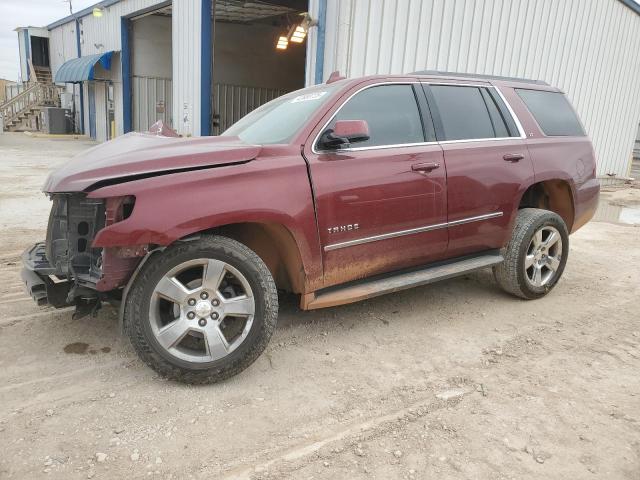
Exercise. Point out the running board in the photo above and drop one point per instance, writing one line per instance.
(394, 283)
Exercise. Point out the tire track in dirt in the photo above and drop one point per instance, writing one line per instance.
(59, 376)
(291, 458)
(11, 321)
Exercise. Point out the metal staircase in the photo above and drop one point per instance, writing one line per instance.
(43, 75)
(22, 112)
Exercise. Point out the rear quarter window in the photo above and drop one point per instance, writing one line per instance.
(553, 112)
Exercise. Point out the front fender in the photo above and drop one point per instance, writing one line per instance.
(170, 207)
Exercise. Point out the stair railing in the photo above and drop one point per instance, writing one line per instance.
(37, 94)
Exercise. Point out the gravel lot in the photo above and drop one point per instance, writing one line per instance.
(454, 380)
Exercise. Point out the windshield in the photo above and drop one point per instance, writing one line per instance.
(280, 119)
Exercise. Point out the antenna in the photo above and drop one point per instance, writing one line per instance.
(70, 5)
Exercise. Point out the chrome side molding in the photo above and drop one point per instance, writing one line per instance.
(412, 231)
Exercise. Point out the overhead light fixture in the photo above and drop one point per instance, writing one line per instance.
(283, 43)
(298, 34)
(97, 12)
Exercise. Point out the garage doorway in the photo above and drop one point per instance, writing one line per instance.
(151, 68)
(248, 69)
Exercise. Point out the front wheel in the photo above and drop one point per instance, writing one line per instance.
(202, 310)
(536, 254)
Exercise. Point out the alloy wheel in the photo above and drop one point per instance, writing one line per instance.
(201, 310)
(543, 257)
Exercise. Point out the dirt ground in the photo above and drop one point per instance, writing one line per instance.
(454, 380)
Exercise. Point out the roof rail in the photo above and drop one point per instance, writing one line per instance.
(437, 73)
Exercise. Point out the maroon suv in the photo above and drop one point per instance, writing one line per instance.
(337, 192)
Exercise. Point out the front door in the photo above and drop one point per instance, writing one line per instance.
(381, 204)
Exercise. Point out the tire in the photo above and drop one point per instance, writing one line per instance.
(179, 324)
(535, 256)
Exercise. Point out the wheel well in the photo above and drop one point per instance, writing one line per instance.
(552, 195)
(277, 248)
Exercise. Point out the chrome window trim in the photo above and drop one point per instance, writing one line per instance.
(458, 84)
(400, 145)
(411, 231)
(515, 118)
(383, 147)
(373, 147)
(512, 113)
(447, 142)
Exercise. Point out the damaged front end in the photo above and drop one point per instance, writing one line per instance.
(66, 269)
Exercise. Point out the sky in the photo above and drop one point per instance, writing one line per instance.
(22, 13)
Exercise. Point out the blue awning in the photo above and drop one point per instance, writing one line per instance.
(81, 69)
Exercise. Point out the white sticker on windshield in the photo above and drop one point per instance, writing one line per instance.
(308, 97)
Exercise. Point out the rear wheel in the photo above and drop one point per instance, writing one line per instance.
(536, 254)
(203, 310)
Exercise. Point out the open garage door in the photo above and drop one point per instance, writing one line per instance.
(151, 69)
(250, 65)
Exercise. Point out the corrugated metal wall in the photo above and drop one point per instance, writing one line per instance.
(98, 34)
(232, 102)
(22, 55)
(62, 45)
(588, 48)
(101, 34)
(100, 90)
(147, 93)
(186, 26)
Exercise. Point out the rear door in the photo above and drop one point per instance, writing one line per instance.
(488, 164)
(378, 207)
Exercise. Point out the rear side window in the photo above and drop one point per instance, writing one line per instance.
(391, 112)
(469, 113)
(552, 111)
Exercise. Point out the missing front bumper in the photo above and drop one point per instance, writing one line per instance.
(40, 280)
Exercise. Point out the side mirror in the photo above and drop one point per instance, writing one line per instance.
(344, 133)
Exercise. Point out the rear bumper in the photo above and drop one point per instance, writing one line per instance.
(39, 279)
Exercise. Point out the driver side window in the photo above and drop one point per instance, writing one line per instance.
(391, 111)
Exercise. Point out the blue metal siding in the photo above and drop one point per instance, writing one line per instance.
(125, 58)
(79, 51)
(205, 69)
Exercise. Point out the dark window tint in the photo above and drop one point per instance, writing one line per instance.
(504, 111)
(552, 112)
(497, 121)
(463, 112)
(391, 112)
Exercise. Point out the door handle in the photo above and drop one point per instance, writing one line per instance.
(425, 167)
(512, 157)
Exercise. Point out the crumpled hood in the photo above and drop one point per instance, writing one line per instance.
(145, 153)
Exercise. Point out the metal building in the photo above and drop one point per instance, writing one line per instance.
(201, 64)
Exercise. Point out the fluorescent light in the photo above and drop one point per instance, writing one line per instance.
(298, 34)
(283, 43)
(97, 12)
